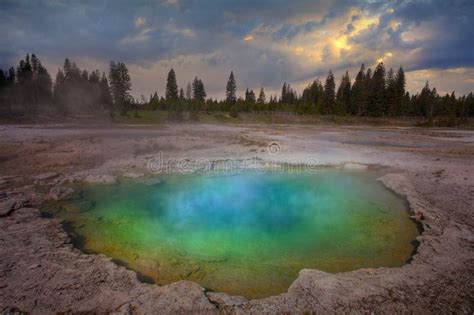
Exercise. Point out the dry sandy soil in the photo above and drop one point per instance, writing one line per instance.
(41, 272)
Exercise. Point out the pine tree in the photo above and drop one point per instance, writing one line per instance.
(3, 79)
(261, 97)
(195, 88)
(284, 91)
(67, 68)
(329, 95)
(58, 91)
(366, 90)
(312, 97)
(425, 103)
(120, 86)
(84, 75)
(34, 63)
(288, 95)
(24, 71)
(343, 96)
(4, 99)
(250, 97)
(7, 97)
(171, 86)
(94, 77)
(391, 93)
(470, 104)
(106, 97)
(44, 84)
(189, 91)
(203, 90)
(400, 92)
(376, 106)
(199, 92)
(34, 85)
(347, 93)
(231, 89)
(11, 76)
(77, 90)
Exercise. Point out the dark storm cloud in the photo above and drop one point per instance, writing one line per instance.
(96, 28)
(449, 39)
(452, 46)
(58, 28)
(146, 32)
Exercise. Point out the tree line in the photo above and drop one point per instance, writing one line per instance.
(29, 89)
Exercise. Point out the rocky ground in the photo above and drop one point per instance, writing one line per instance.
(41, 272)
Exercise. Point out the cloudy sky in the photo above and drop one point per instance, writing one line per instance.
(265, 42)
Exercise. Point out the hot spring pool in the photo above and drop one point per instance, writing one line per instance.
(248, 234)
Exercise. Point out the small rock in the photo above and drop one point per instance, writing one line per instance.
(11, 310)
(100, 179)
(45, 176)
(223, 298)
(355, 166)
(133, 175)
(34, 266)
(128, 308)
(60, 192)
(419, 216)
(7, 207)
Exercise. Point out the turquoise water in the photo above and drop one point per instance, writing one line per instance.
(247, 234)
